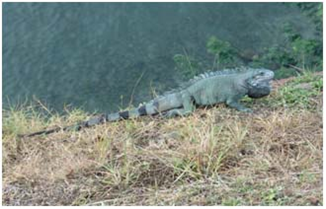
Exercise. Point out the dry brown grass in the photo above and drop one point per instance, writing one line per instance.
(213, 157)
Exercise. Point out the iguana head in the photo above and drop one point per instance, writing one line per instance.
(258, 83)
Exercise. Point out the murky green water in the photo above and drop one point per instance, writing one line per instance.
(103, 55)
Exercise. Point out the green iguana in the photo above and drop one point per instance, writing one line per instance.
(227, 86)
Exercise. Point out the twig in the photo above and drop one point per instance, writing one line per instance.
(299, 70)
(133, 90)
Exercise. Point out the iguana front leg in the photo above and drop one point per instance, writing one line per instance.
(235, 104)
(188, 107)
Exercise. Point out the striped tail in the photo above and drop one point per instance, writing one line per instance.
(155, 106)
(148, 109)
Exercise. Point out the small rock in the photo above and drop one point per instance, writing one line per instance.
(306, 86)
(314, 201)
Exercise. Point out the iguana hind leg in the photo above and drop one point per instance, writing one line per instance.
(188, 107)
(176, 112)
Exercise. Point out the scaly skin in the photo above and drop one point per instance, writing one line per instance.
(227, 86)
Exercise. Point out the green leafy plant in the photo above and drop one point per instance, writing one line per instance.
(187, 65)
(224, 53)
(298, 52)
(314, 11)
(300, 91)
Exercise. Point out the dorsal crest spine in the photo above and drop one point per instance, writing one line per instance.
(213, 74)
(204, 76)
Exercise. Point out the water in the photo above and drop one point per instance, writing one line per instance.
(101, 56)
